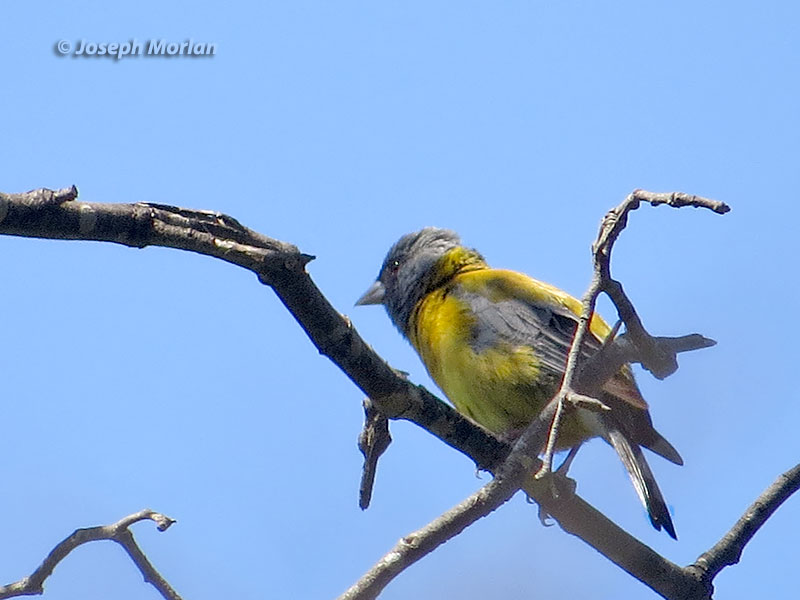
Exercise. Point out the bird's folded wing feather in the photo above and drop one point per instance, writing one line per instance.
(512, 308)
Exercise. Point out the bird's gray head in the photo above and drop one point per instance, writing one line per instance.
(408, 273)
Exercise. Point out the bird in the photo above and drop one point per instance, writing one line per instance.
(496, 341)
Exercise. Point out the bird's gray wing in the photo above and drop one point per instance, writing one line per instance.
(517, 322)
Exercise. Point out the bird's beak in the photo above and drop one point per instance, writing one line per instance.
(374, 295)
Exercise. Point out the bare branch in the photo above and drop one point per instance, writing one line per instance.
(277, 264)
(601, 366)
(654, 355)
(658, 355)
(118, 532)
(417, 545)
(729, 549)
(282, 266)
(373, 441)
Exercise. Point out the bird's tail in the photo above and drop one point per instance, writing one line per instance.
(643, 480)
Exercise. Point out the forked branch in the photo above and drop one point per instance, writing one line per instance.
(118, 532)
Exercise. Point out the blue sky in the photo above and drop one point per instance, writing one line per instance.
(156, 378)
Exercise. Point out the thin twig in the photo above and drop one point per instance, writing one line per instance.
(118, 532)
(422, 542)
(567, 388)
(729, 549)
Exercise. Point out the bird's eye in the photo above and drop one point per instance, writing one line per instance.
(394, 266)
